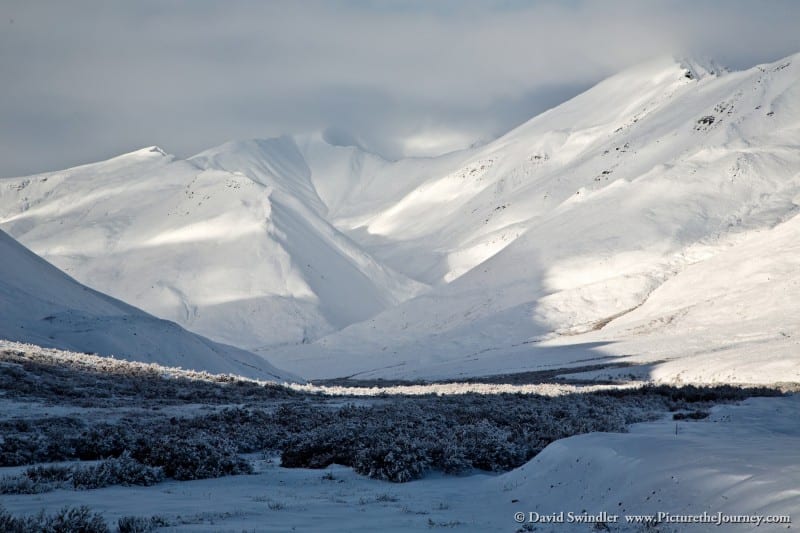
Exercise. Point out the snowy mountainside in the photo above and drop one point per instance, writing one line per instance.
(576, 218)
(549, 246)
(41, 305)
(730, 317)
(228, 244)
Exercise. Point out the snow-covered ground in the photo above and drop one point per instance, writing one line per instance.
(743, 460)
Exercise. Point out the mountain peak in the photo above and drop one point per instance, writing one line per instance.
(699, 68)
(146, 152)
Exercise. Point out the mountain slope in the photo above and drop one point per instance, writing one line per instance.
(228, 244)
(526, 253)
(551, 232)
(41, 305)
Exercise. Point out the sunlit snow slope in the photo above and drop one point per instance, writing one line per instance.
(229, 244)
(651, 215)
(41, 305)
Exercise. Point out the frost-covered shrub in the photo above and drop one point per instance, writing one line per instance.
(250, 429)
(16, 450)
(488, 447)
(7, 521)
(74, 520)
(36, 446)
(392, 458)
(106, 440)
(319, 449)
(123, 470)
(92, 381)
(66, 520)
(38, 441)
(36, 480)
(196, 456)
(398, 441)
(21, 485)
(140, 524)
(449, 433)
(20, 524)
(449, 457)
(49, 473)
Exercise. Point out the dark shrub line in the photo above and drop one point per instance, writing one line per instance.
(396, 439)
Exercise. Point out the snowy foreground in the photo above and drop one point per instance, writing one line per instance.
(743, 459)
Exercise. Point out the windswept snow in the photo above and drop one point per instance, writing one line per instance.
(743, 461)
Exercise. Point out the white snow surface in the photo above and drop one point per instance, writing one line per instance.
(650, 220)
(41, 305)
(743, 460)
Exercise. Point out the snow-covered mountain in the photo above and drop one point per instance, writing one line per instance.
(41, 305)
(642, 217)
(652, 216)
(230, 243)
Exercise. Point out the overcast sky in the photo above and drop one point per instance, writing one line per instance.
(83, 81)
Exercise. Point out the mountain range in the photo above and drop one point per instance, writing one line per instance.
(650, 222)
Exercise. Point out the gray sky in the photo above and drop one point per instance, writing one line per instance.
(83, 81)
